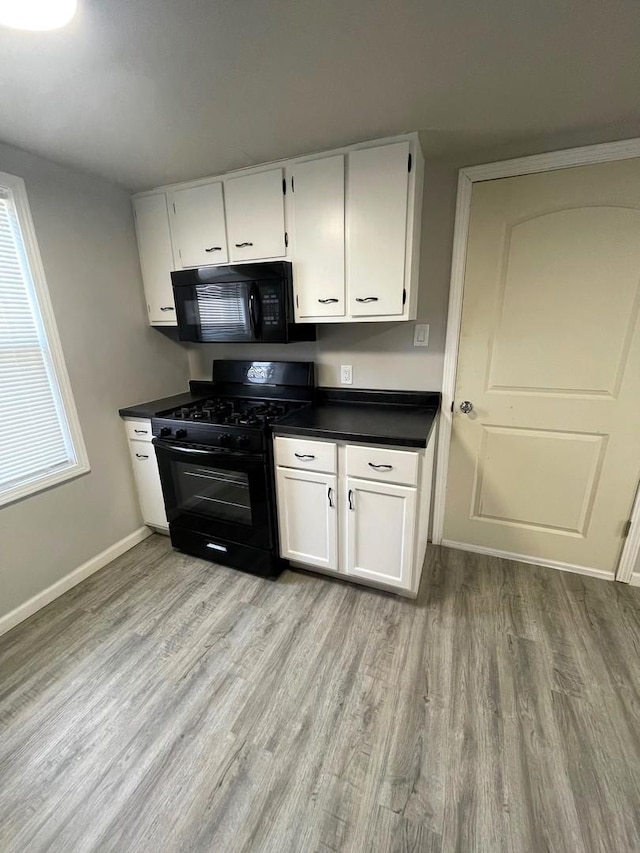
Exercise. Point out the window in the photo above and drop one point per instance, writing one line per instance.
(41, 443)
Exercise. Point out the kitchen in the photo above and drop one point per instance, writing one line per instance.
(424, 570)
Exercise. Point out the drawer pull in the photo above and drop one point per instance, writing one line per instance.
(214, 249)
(142, 455)
(328, 301)
(141, 431)
(243, 245)
(367, 299)
(380, 467)
(304, 455)
(167, 308)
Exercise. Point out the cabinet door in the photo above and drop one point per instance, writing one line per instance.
(307, 517)
(156, 256)
(380, 531)
(317, 207)
(198, 227)
(255, 216)
(145, 469)
(377, 198)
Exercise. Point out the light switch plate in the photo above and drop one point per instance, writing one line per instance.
(421, 335)
(346, 374)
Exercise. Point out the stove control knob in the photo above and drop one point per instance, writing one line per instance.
(165, 431)
(226, 440)
(181, 433)
(242, 441)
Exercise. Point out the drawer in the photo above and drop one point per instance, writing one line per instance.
(306, 454)
(380, 463)
(138, 429)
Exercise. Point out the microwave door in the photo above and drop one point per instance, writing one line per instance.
(215, 312)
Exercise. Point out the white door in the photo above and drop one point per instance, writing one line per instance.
(377, 199)
(255, 216)
(307, 516)
(380, 531)
(147, 476)
(156, 256)
(317, 208)
(547, 463)
(198, 226)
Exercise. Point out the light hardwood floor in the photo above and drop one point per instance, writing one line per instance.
(167, 704)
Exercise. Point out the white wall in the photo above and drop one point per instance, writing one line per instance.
(85, 231)
(382, 354)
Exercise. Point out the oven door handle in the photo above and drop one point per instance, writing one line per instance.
(213, 452)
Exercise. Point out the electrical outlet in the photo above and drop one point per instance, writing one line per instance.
(421, 335)
(346, 374)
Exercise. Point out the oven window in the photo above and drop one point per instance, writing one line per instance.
(214, 493)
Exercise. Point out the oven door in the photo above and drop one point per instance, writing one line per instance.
(216, 492)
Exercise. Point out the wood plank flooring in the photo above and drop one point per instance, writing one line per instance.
(167, 704)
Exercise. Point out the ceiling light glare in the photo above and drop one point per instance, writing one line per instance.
(37, 14)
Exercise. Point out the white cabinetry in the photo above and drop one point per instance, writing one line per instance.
(145, 471)
(370, 528)
(307, 507)
(380, 527)
(198, 226)
(377, 198)
(255, 216)
(156, 256)
(348, 220)
(317, 233)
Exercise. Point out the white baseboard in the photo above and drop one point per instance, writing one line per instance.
(41, 599)
(635, 580)
(534, 561)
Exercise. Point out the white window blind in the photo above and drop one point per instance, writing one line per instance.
(36, 445)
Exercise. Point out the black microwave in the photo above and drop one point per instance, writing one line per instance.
(244, 303)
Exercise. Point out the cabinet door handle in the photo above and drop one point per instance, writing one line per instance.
(243, 245)
(142, 455)
(380, 467)
(350, 498)
(330, 497)
(167, 308)
(367, 299)
(304, 455)
(327, 301)
(214, 249)
(141, 431)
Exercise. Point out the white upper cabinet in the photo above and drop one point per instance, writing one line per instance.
(156, 257)
(316, 206)
(198, 226)
(255, 216)
(377, 210)
(348, 220)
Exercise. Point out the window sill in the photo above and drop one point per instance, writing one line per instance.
(42, 484)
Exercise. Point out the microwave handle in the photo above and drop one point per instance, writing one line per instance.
(255, 311)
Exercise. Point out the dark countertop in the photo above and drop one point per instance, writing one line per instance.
(154, 407)
(398, 418)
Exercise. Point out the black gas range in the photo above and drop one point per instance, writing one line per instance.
(216, 463)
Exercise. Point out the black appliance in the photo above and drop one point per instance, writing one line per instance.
(244, 303)
(216, 462)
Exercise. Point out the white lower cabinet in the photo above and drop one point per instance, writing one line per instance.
(145, 471)
(370, 528)
(307, 514)
(380, 528)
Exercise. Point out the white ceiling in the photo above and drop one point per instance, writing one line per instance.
(146, 92)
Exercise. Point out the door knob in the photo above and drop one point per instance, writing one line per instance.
(466, 407)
